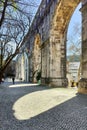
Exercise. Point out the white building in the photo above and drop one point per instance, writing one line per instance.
(73, 72)
(73, 68)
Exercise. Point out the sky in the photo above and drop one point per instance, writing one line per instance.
(74, 22)
(76, 18)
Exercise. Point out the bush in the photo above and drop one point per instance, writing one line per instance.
(38, 77)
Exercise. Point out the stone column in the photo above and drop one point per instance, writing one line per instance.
(57, 59)
(83, 81)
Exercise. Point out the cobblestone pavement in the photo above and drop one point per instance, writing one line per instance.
(32, 107)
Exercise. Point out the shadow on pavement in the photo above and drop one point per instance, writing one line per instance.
(69, 115)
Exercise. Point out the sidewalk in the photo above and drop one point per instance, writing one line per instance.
(31, 107)
(9, 81)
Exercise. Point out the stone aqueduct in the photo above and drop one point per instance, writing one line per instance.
(47, 41)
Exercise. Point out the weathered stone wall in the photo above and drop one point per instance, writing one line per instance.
(58, 31)
(45, 61)
(51, 23)
(41, 27)
(83, 82)
(84, 41)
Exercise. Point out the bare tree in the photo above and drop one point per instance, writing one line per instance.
(74, 41)
(15, 20)
(24, 6)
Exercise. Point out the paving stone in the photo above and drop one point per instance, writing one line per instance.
(60, 108)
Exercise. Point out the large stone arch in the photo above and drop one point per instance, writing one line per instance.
(58, 31)
(36, 56)
(51, 22)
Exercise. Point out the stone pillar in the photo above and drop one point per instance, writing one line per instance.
(57, 73)
(82, 88)
(45, 61)
(54, 61)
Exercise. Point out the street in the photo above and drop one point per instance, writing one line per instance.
(25, 106)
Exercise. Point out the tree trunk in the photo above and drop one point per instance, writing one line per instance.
(1, 76)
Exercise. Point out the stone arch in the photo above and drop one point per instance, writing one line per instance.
(36, 56)
(58, 32)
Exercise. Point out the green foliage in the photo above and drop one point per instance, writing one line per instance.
(38, 77)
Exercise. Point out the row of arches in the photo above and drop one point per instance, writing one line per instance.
(50, 57)
(49, 48)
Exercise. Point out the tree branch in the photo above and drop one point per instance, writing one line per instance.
(3, 12)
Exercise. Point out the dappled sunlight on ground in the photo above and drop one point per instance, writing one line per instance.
(36, 103)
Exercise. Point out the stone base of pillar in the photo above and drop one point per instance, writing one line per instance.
(82, 87)
(55, 82)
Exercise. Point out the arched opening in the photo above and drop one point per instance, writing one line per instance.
(74, 40)
(58, 38)
(36, 57)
